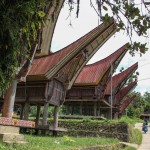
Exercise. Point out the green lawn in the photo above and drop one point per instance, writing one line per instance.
(59, 143)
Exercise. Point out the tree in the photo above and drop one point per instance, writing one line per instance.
(140, 105)
(147, 101)
(21, 33)
(131, 16)
(21, 30)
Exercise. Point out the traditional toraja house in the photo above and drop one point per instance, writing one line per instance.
(83, 100)
(52, 75)
(119, 80)
(120, 97)
(146, 115)
(42, 46)
(125, 103)
(116, 84)
(123, 93)
(86, 95)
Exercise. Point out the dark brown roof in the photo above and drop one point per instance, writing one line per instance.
(145, 115)
(53, 62)
(93, 73)
(125, 104)
(120, 79)
(124, 92)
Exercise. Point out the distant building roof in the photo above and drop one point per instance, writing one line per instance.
(93, 73)
(120, 79)
(123, 92)
(125, 104)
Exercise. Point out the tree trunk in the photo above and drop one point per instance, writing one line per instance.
(9, 100)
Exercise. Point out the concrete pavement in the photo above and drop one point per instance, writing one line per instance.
(145, 145)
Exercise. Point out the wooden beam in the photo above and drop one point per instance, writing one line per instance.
(80, 100)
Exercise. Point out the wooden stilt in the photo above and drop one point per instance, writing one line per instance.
(67, 109)
(38, 114)
(45, 114)
(22, 111)
(81, 112)
(56, 113)
(98, 109)
(37, 117)
(95, 108)
(26, 110)
(72, 110)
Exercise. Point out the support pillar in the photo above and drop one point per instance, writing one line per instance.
(81, 104)
(26, 110)
(56, 113)
(38, 115)
(45, 114)
(72, 110)
(109, 114)
(95, 108)
(98, 109)
(22, 111)
(67, 109)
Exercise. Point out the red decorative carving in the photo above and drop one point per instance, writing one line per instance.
(16, 122)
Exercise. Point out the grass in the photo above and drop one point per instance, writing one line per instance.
(135, 135)
(65, 143)
(59, 143)
(128, 148)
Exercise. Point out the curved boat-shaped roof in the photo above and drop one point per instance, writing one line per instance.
(47, 66)
(125, 104)
(92, 74)
(124, 92)
(119, 80)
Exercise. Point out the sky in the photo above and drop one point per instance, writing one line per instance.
(69, 29)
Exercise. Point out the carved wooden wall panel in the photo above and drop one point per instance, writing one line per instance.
(58, 94)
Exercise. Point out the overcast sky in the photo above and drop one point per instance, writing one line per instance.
(65, 34)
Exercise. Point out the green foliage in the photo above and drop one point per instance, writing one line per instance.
(68, 140)
(33, 111)
(128, 148)
(135, 135)
(128, 120)
(19, 24)
(139, 105)
(129, 17)
(86, 120)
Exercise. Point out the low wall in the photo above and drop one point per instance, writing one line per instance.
(115, 130)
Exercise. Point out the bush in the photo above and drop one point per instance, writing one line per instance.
(135, 135)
